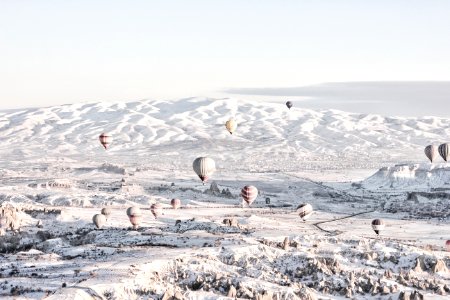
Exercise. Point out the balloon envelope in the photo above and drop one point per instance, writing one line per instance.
(99, 220)
(134, 211)
(105, 140)
(106, 211)
(444, 151)
(249, 194)
(156, 210)
(176, 203)
(289, 104)
(431, 152)
(377, 225)
(231, 125)
(204, 167)
(304, 211)
(447, 245)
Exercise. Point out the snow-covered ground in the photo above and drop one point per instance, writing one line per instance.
(352, 168)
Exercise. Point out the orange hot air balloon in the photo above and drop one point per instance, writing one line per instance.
(431, 152)
(231, 125)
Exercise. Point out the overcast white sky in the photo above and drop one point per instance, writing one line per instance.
(54, 52)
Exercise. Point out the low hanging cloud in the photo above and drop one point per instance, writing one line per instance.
(404, 98)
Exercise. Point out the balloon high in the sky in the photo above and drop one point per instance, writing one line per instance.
(105, 140)
(231, 125)
(204, 167)
(377, 225)
(289, 104)
(156, 210)
(99, 220)
(304, 211)
(249, 194)
(444, 151)
(176, 203)
(135, 216)
(431, 152)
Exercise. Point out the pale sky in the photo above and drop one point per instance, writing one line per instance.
(55, 52)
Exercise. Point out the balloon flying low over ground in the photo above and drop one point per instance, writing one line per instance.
(204, 167)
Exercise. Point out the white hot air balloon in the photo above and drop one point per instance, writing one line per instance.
(106, 211)
(204, 167)
(99, 220)
(135, 215)
(431, 152)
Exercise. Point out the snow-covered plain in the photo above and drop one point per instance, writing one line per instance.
(55, 172)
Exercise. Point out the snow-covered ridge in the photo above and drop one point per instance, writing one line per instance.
(146, 128)
(426, 176)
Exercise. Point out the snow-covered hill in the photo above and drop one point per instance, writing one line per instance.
(403, 176)
(173, 133)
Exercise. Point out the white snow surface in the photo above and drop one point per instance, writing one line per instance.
(55, 172)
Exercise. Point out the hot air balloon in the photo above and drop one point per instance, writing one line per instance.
(304, 211)
(447, 245)
(105, 140)
(231, 125)
(106, 211)
(204, 167)
(431, 152)
(443, 151)
(176, 203)
(156, 209)
(289, 104)
(99, 220)
(249, 194)
(377, 225)
(135, 216)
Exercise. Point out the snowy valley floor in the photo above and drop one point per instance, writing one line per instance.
(191, 253)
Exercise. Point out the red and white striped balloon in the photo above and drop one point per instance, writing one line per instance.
(304, 211)
(105, 140)
(249, 194)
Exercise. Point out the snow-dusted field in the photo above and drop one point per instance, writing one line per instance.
(352, 168)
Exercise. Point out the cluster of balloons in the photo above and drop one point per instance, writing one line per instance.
(204, 167)
(101, 218)
(431, 151)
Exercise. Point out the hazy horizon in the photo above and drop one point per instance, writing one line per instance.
(86, 51)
